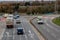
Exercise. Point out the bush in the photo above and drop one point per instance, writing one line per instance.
(56, 21)
(28, 13)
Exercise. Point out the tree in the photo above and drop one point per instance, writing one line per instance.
(27, 3)
(16, 7)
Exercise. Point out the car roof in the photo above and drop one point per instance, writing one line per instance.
(19, 28)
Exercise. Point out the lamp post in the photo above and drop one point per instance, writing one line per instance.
(56, 6)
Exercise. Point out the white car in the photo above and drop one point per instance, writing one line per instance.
(5, 15)
(9, 21)
(39, 17)
(40, 21)
(18, 21)
(10, 15)
(10, 18)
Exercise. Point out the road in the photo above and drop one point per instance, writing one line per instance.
(48, 29)
(29, 33)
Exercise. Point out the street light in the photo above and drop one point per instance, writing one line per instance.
(56, 6)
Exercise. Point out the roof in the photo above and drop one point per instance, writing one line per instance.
(20, 28)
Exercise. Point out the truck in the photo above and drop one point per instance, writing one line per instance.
(20, 31)
(9, 21)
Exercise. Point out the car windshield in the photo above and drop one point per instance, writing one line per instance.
(19, 30)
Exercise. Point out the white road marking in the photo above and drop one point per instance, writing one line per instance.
(29, 31)
(31, 35)
(7, 34)
(13, 33)
(2, 34)
(26, 37)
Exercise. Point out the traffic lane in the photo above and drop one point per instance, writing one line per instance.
(49, 21)
(54, 27)
(45, 30)
(30, 34)
(15, 35)
(11, 34)
(8, 34)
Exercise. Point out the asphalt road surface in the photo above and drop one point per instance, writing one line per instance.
(29, 34)
(48, 29)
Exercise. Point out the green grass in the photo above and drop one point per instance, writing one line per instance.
(56, 21)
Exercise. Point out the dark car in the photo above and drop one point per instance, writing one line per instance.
(20, 31)
(9, 26)
(16, 16)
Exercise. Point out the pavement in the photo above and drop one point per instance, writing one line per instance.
(29, 34)
(48, 29)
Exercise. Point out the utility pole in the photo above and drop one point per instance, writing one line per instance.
(56, 6)
(42, 1)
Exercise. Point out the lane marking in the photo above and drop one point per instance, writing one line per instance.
(51, 28)
(39, 36)
(31, 35)
(29, 31)
(26, 37)
(7, 35)
(2, 33)
(13, 33)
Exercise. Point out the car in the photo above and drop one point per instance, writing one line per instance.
(10, 21)
(20, 31)
(10, 15)
(39, 17)
(40, 21)
(16, 16)
(5, 15)
(18, 21)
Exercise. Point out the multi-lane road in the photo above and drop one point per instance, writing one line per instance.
(29, 33)
(48, 29)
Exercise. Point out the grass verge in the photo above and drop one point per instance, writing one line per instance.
(56, 21)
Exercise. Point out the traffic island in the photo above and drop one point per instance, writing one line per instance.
(40, 34)
(56, 21)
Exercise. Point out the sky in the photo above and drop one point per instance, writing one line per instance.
(24, 0)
